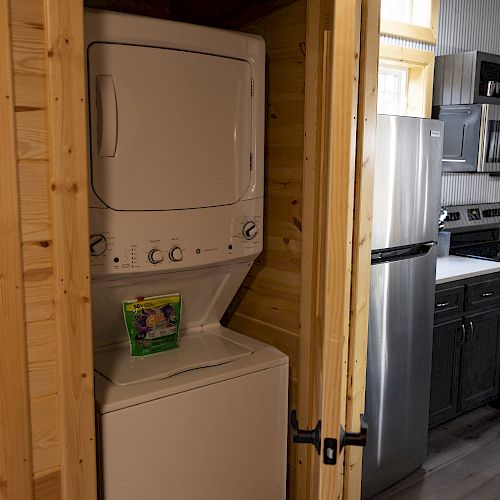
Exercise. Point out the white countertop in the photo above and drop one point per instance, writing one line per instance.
(454, 268)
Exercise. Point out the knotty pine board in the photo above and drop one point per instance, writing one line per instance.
(267, 306)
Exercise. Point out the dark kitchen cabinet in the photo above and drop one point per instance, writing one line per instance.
(465, 360)
(479, 377)
(445, 371)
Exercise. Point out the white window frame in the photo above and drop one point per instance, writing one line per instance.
(400, 93)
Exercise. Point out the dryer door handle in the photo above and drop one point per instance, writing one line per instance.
(107, 116)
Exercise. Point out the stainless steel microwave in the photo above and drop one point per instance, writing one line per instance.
(471, 137)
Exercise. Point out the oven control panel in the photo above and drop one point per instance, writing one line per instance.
(472, 216)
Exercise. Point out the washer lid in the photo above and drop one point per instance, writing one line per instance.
(170, 129)
(195, 351)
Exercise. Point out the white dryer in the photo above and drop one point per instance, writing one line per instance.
(176, 133)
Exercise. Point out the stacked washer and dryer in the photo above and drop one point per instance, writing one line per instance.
(176, 116)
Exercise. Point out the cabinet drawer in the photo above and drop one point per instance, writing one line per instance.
(448, 303)
(483, 295)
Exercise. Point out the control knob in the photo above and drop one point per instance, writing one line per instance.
(98, 244)
(175, 254)
(155, 256)
(249, 230)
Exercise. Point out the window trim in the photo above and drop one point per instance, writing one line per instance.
(420, 64)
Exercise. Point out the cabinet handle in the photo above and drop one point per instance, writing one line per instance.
(487, 294)
(471, 331)
(463, 335)
(443, 304)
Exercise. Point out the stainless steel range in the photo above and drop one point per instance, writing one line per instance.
(475, 230)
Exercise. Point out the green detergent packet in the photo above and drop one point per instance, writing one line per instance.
(152, 323)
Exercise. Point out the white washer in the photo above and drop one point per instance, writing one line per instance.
(176, 133)
(215, 433)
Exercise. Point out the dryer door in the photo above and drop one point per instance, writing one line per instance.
(169, 129)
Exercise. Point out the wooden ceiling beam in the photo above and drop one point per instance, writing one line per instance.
(229, 14)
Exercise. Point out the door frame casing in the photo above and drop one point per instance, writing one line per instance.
(341, 78)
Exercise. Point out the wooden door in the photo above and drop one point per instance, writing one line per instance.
(479, 380)
(343, 35)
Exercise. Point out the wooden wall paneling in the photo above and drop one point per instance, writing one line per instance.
(267, 306)
(16, 467)
(69, 192)
(337, 249)
(48, 485)
(32, 134)
(35, 200)
(30, 67)
(42, 358)
(28, 37)
(39, 280)
(282, 339)
(38, 273)
(45, 433)
(361, 261)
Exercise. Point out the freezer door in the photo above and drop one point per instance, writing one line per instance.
(398, 369)
(407, 184)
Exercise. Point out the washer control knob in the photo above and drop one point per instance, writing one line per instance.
(175, 254)
(249, 230)
(98, 244)
(155, 256)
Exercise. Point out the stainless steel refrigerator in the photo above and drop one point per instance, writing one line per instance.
(404, 234)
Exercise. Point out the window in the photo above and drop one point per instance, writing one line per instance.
(407, 11)
(414, 19)
(406, 76)
(392, 84)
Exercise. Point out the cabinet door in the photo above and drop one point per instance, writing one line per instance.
(479, 380)
(445, 371)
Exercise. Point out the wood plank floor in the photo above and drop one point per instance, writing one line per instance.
(463, 462)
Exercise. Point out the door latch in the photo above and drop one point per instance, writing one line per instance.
(305, 436)
(330, 452)
(354, 438)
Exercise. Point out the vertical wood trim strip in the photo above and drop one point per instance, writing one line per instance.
(16, 465)
(361, 265)
(69, 198)
(337, 250)
(311, 192)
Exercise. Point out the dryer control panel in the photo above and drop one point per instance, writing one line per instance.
(138, 242)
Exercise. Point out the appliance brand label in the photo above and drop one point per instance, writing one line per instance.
(435, 133)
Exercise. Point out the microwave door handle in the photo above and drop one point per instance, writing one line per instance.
(107, 116)
(483, 138)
